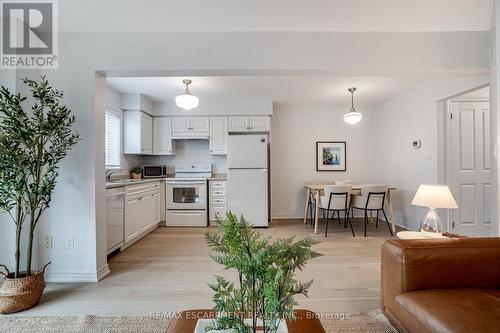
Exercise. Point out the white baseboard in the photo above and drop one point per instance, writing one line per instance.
(70, 277)
(103, 272)
(77, 276)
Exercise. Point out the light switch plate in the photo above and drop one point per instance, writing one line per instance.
(70, 243)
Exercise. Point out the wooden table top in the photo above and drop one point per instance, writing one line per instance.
(306, 322)
(315, 186)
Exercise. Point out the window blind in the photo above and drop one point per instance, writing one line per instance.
(113, 139)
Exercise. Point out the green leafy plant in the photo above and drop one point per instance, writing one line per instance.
(32, 143)
(136, 170)
(266, 286)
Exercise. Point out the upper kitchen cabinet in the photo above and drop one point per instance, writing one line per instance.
(218, 135)
(162, 136)
(190, 127)
(138, 133)
(249, 124)
(136, 102)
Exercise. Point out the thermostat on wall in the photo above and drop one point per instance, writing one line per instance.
(417, 143)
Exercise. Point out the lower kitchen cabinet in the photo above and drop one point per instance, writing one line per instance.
(217, 199)
(142, 211)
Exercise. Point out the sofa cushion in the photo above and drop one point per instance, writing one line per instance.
(450, 310)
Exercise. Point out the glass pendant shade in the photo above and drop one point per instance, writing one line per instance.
(353, 116)
(187, 101)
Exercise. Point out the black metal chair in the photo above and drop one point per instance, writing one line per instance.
(336, 200)
(372, 198)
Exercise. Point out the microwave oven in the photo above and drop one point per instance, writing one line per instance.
(152, 171)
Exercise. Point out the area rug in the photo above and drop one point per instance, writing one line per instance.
(372, 322)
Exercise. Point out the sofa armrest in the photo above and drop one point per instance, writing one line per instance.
(409, 265)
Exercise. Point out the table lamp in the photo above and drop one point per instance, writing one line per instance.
(433, 196)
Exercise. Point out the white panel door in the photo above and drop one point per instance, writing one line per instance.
(471, 168)
(247, 151)
(247, 195)
(162, 133)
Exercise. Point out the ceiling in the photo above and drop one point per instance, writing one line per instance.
(279, 89)
(274, 15)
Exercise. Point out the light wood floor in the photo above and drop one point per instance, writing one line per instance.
(169, 269)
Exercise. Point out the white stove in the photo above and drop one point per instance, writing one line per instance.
(186, 195)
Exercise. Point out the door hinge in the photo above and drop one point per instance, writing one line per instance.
(453, 224)
(451, 115)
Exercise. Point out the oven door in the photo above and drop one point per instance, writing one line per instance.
(186, 195)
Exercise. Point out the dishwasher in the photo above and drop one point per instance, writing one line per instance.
(115, 204)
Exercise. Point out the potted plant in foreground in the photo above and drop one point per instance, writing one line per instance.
(32, 143)
(264, 295)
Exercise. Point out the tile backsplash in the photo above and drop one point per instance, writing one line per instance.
(189, 151)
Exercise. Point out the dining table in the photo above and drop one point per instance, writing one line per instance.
(316, 188)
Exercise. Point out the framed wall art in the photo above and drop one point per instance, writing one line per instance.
(331, 156)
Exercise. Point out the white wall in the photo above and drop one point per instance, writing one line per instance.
(398, 121)
(295, 130)
(210, 107)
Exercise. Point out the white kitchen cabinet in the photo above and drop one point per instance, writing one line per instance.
(218, 135)
(185, 127)
(217, 199)
(249, 124)
(200, 124)
(259, 124)
(142, 210)
(238, 124)
(138, 133)
(133, 217)
(114, 219)
(162, 136)
(155, 207)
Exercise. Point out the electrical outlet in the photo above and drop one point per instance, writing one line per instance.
(47, 242)
(70, 243)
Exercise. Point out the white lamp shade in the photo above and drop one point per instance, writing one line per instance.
(187, 101)
(435, 196)
(353, 117)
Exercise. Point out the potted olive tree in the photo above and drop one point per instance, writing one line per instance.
(33, 140)
(264, 294)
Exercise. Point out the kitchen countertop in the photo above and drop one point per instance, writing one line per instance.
(218, 176)
(127, 182)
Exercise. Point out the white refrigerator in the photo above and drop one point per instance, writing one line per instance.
(247, 192)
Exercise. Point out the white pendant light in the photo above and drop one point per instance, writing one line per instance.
(352, 117)
(187, 101)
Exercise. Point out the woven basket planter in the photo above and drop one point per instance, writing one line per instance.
(19, 294)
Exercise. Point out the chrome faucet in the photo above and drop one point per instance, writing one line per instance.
(110, 172)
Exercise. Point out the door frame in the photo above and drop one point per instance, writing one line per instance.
(445, 174)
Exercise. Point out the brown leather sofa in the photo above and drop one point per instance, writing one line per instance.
(442, 285)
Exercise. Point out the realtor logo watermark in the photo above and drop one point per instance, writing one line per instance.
(29, 34)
